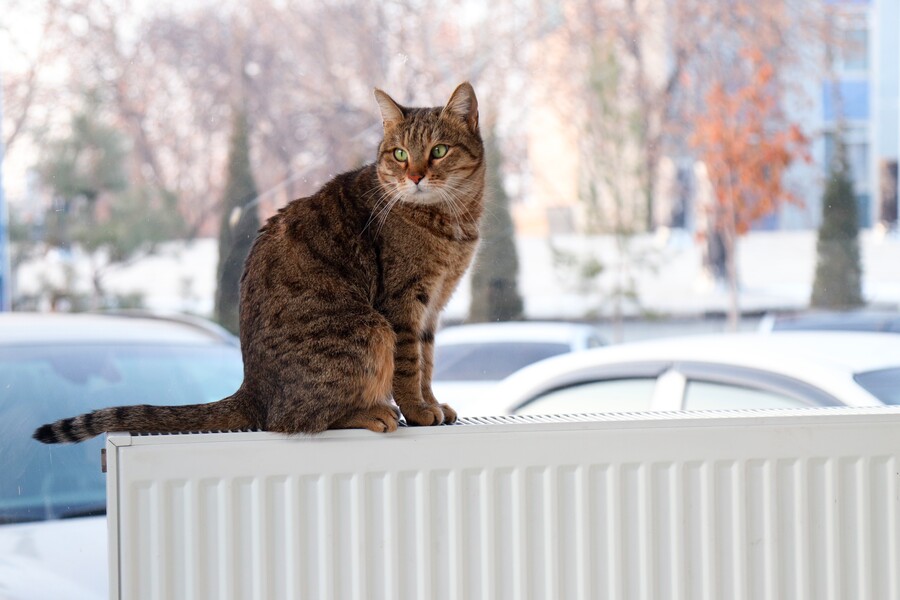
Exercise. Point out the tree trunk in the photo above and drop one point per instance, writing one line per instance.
(734, 309)
(729, 240)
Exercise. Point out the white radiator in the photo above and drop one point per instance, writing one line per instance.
(766, 504)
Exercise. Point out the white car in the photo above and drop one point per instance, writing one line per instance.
(827, 320)
(701, 372)
(470, 359)
(53, 498)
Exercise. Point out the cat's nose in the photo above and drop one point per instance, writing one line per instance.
(415, 177)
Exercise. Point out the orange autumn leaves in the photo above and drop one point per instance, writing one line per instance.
(747, 146)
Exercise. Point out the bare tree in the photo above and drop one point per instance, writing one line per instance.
(27, 95)
(671, 54)
(306, 70)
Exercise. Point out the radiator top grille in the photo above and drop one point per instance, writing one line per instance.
(623, 417)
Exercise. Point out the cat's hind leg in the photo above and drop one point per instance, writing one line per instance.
(337, 377)
(373, 408)
(378, 369)
(368, 378)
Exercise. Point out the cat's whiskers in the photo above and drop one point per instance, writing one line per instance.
(378, 206)
(394, 195)
(446, 199)
(456, 193)
(457, 205)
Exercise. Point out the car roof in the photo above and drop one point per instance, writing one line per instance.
(516, 331)
(850, 351)
(58, 328)
(855, 320)
(825, 358)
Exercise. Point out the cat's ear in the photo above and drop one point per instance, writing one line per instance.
(463, 104)
(391, 112)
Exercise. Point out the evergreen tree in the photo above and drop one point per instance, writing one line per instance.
(95, 206)
(837, 283)
(80, 168)
(238, 226)
(495, 293)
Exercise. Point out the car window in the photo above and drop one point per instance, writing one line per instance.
(595, 341)
(707, 395)
(489, 361)
(613, 395)
(884, 384)
(43, 384)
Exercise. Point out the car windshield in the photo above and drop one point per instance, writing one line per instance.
(884, 384)
(43, 383)
(489, 361)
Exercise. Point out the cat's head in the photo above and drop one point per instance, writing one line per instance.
(431, 155)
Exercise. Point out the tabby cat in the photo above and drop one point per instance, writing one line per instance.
(341, 292)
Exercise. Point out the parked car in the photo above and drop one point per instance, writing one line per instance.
(710, 372)
(470, 359)
(852, 320)
(53, 498)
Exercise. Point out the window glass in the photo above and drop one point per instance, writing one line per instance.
(43, 384)
(488, 361)
(853, 46)
(595, 341)
(856, 152)
(884, 384)
(706, 395)
(614, 395)
(856, 53)
(633, 152)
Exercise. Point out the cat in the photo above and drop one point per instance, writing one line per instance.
(342, 290)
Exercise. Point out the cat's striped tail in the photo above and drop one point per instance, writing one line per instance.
(223, 415)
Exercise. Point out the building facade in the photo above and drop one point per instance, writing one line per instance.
(861, 104)
(849, 87)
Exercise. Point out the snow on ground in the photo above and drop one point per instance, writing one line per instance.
(776, 270)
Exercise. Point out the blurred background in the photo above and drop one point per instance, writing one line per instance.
(656, 165)
(656, 168)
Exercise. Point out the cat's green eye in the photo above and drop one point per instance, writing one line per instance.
(439, 151)
(400, 154)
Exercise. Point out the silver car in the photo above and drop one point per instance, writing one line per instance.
(53, 498)
(469, 360)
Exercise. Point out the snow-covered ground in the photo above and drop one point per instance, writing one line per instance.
(776, 270)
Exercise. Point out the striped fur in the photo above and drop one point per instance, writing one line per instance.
(342, 291)
(224, 415)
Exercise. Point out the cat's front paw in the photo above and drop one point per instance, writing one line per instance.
(449, 414)
(424, 414)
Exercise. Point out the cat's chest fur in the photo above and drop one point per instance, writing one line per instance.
(423, 255)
